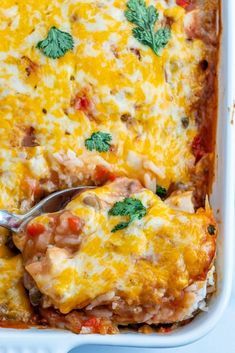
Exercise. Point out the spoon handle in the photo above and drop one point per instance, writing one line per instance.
(9, 220)
(52, 203)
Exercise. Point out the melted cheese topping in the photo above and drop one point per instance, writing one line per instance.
(154, 258)
(14, 304)
(120, 77)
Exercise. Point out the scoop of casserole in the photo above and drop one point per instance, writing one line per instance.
(153, 269)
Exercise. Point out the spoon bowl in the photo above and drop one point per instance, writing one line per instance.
(52, 203)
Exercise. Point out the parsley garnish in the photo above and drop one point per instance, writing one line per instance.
(56, 44)
(161, 192)
(128, 207)
(211, 229)
(99, 141)
(145, 19)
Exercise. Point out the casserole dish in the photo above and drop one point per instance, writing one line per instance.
(222, 199)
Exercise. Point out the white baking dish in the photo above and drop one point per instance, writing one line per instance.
(222, 199)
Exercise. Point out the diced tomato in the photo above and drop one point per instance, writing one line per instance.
(198, 148)
(183, 3)
(35, 229)
(102, 175)
(82, 103)
(38, 192)
(93, 323)
(112, 176)
(75, 224)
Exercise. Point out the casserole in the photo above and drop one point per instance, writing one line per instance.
(224, 182)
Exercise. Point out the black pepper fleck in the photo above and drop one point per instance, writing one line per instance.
(185, 122)
(211, 229)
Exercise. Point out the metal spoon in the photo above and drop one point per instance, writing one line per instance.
(49, 204)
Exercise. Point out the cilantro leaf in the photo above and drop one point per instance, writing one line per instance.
(143, 36)
(99, 141)
(145, 19)
(120, 226)
(131, 207)
(56, 44)
(140, 15)
(161, 38)
(161, 192)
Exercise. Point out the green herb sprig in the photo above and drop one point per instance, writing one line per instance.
(145, 19)
(161, 192)
(131, 207)
(99, 141)
(56, 44)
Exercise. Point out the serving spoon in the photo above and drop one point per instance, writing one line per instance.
(52, 203)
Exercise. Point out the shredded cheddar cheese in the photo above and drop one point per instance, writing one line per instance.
(106, 106)
(14, 304)
(163, 252)
(136, 96)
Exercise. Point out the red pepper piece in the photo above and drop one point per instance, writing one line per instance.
(82, 103)
(198, 148)
(102, 175)
(35, 229)
(93, 323)
(75, 224)
(183, 3)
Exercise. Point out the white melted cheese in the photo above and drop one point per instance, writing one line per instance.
(118, 76)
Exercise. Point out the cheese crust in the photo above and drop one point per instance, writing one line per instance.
(147, 268)
(160, 112)
(135, 95)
